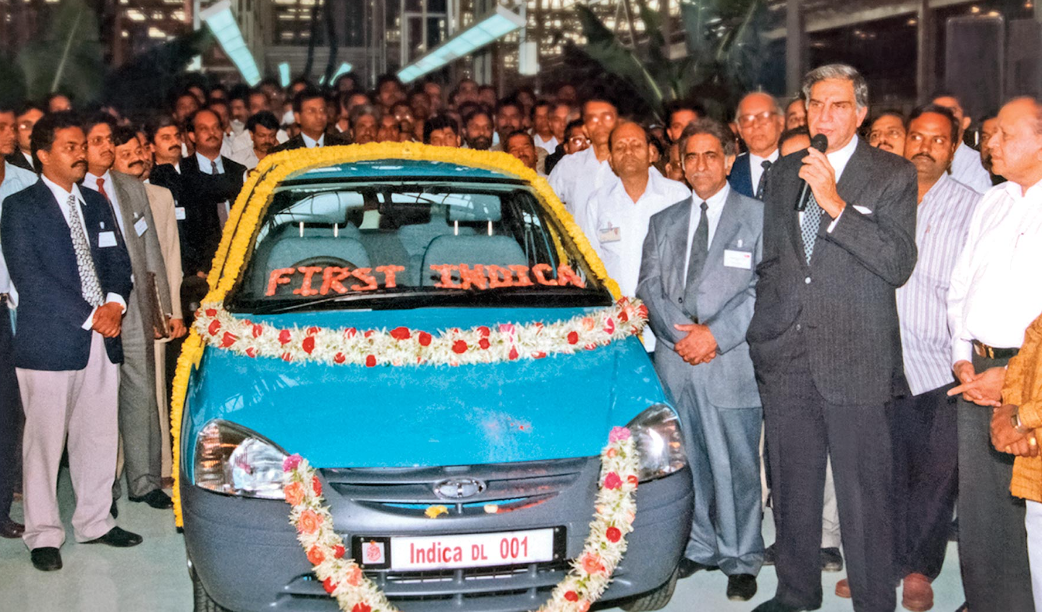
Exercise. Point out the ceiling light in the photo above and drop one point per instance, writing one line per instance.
(219, 19)
(284, 74)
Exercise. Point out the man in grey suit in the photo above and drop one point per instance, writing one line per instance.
(138, 409)
(826, 343)
(697, 278)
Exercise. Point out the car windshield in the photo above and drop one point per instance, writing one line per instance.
(407, 244)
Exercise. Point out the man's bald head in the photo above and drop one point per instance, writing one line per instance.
(1016, 147)
(627, 129)
(760, 123)
(630, 151)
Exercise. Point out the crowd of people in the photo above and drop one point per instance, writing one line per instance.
(840, 307)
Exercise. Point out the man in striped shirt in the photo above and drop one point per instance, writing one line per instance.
(925, 438)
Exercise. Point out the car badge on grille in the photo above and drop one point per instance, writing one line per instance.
(459, 488)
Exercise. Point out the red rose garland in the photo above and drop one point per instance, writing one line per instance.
(402, 346)
(342, 578)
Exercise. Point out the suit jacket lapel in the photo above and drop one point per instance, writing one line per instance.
(676, 243)
(726, 228)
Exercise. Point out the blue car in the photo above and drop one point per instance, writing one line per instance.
(506, 449)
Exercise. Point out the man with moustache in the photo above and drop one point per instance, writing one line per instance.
(923, 424)
(263, 129)
(25, 119)
(138, 413)
(478, 129)
(989, 124)
(825, 341)
(697, 278)
(521, 145)
(759, 124)
(509, 119)
(992, 300)
(72, 273)
(966, 167)
(887, 132)
(210, 185)
(12, 180)
(617, 216)
(441, 131)
(578, 175)
(365, 122)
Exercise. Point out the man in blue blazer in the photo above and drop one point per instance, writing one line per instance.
(72, 273)
(760, 124)
(697, 278)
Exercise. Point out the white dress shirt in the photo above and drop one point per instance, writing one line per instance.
(206, 164)
(62, 197)
(716, 208)
(547, 145)
(838, 159)
(756, 167)
(968, 170)
(91, 182)
(943, 221)
(576, 177)
(995, 293)
(15, 180)
(312, 143)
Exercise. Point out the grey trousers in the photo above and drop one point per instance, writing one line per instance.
(81, 404)
(993, 552)
(138, 411)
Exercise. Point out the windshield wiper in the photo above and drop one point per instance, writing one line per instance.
(282, 306)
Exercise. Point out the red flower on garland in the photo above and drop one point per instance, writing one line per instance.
(459, 347)
(424, 338)
(573, 337)
(484, 331)
(513, 353)
(350, 332)
(484, 344)
(339, 358)
(252, 352)
(632, 479)
(571, 596)
(339, 552)
(228, 339)
(287, 357)
(316, 485)
(612, 481)
(370, 361)
(284, 337)
(308, 344)
(316, 556)
(312, 331)
(329, 585)
(215, 326)
(210, 312)
(609, 325)
(613, 534)
(623, 316)
(258, 330)
(354, 575)
(401, 333)
(539, 354)
(361, 607)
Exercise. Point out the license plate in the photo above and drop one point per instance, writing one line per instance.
(417, 553)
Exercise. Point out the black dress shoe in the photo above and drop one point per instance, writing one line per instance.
(831, 560)
(156, 499)
(769, 555)
(46, 559)
(11, 530)
(114, 509)
(773, 605)
(118, 538)
(741, 587)
(688, 567)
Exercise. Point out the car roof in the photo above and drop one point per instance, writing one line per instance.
(397, 169)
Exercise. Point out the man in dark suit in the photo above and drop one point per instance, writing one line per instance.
(760, 124)
(25, 119)
(72, 273)
(210, 183)
(697, 279)
(826, 345)
(311, 114)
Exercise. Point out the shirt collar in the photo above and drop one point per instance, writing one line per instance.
(756, 160)
(311, 143)
(1014, 190)
(59, 192)
(91, 180)
(936, 188)
(205, 163)
(716, 200)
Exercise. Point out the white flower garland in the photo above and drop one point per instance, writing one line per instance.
(342, 578)
(403, 346)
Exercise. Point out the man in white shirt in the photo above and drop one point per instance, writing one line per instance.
(966, 167)
(542, 133)
(760, 124)
(263, 131)
(138, 413)
(617, 224)
(12, 180)
(994, 296)
(577, 176)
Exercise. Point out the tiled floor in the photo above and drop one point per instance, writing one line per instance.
(152, 577)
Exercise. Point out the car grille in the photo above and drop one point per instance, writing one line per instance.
(410, 491)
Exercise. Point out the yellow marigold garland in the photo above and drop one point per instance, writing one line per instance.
(253, 201)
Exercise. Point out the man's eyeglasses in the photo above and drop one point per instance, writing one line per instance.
(764, 117)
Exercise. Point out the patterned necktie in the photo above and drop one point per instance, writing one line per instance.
(90, 285)
(809, 222)
(766, 165)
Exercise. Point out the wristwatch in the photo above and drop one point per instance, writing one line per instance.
(1017, 425)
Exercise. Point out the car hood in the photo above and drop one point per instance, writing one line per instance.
(352, 416)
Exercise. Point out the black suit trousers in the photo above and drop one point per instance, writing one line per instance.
(11, 417)
(993, 551)
(803, 429)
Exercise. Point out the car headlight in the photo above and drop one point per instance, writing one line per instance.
(233, 460)
(660, 442)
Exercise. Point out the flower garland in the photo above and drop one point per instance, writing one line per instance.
(253, 201)
(402, 346)
(342, 578)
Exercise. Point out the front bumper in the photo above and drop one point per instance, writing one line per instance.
(247, 557)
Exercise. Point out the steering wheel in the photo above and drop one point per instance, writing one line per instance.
(324, 261)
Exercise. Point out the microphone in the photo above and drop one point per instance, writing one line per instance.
(821, 143)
